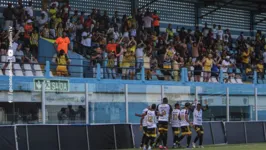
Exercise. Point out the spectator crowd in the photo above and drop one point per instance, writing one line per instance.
(122, 45)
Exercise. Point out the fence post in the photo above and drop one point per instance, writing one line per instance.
(162, 92)
(43, 103)
(115, 137)
(105, 75)
(126, 101)
(16, 136)
(196, 94)
(142, 74)
(184, 75)
(87, 102)
(227, 105)
(58, 137)
(47, 69)
(27, 137)
(256, 104)
(255, 77)
(98, 72)
(221, 76)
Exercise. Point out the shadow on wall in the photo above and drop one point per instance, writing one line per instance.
(115, 112)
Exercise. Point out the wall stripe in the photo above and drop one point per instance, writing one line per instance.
(234, 19)
(261, 26)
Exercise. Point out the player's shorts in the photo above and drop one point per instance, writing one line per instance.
(199, 128)
(186, 130)
(151, 132)
(144, 129)
(163, 126)
(176, 130)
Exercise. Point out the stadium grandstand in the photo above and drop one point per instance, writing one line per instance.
(86, 68)
(167, 39)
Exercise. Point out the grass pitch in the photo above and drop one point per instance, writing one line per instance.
(261, 146)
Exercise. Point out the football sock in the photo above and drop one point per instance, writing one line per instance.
(200, 139)
(196, 139)
(152, 139)
(165, 139)
(180, 138)
(143, 140)
(188, 140)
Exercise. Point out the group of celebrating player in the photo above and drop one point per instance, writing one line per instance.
(163, 115)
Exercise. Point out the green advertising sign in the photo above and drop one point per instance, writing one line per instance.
(51, 85)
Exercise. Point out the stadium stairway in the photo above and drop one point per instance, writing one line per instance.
(47, 51)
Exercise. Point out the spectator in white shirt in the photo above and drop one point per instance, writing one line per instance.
(147, 22)
(117, 35)
(19, 56)
(133, 31)
(225, 65)
(29, 10)
(205, 30)
(43, 20)
(140, 54)
(54, 2)
(15, 46)
(6, 59)
(86, 41)
(220, 33)
(214, 31)
(70, 25)
(110, 32)
(126, 34)
(233, 60)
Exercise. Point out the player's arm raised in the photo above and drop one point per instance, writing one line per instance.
(138, 115)
(141, 115)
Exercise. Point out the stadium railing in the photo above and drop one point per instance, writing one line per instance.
(86, 69)
(184, 75)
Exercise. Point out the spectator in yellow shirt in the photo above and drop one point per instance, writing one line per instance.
(245, 56)
(132, 65)
(59, 30)
(249, 70)
(132, 45)
(34, 43)
(55, 23)
(125, 65)
(245, 62)
(62, 61)
(53, 11)
(170, 32)
(260, 69)
(207, 63)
